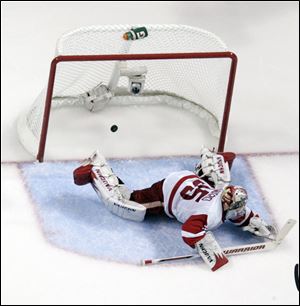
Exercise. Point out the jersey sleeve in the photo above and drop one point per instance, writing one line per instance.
(194, 229)
(243, 219)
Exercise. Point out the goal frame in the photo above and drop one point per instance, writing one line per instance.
(131, 57)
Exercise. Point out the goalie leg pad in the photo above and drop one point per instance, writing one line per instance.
(113, 199)
(215, 167)
(210, 251)
(114, 194)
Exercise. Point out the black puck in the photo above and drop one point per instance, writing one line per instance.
(114, 128)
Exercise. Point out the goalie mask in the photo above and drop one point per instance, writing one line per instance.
(236, 198)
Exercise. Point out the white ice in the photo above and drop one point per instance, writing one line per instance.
(264, 118)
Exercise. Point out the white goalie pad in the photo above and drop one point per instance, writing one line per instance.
(211, 252)
(214, 167)
(114, 196)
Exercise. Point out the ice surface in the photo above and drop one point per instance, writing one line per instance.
(264, 118)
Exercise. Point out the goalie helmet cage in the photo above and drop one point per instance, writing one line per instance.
(188, 67)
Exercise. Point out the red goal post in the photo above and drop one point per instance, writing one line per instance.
(130, 57)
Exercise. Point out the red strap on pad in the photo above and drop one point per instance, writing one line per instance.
(82, 175)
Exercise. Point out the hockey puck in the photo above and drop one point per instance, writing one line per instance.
(114, 128)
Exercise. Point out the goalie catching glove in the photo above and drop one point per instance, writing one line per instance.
(114, 195)
(260, 228)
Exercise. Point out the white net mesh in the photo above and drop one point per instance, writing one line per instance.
(198, 85)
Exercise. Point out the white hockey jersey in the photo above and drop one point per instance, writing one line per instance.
(193, 202)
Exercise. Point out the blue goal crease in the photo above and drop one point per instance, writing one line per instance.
(73, 218)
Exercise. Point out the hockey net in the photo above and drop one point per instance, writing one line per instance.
(186, 67)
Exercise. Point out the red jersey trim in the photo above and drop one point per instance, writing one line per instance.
(175, 189)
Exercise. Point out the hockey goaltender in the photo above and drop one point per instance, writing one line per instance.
(201, 200)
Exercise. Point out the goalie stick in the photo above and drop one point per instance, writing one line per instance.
(248, 248)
